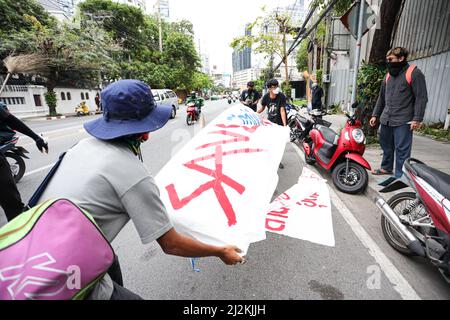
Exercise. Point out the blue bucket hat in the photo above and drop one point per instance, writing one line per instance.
(128, 108)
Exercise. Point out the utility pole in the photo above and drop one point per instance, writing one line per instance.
(158, 3)
(358, 49)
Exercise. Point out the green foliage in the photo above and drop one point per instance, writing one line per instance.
(201, 81)
(370, 78)
(139, 36)
(319, 74)
(302, 56)
(339, 8)
(266, 43)
(51, 100)
(435, 131)
(287, 89)
(12, 15)
(123, 45)
(259, 85)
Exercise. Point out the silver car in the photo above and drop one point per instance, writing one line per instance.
(166, 97)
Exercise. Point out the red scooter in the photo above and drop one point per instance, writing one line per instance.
(192, 114)
(343, 154)
(418, 222)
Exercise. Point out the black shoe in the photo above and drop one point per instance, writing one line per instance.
(281, 166)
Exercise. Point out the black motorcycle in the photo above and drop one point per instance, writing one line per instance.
(14, 154)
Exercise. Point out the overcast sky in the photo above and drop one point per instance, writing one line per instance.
(217, 22)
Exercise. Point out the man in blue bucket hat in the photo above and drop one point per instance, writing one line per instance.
(103, 175)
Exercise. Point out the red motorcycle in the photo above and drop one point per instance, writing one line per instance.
(192, 115)
(342, 154)
(418, 223)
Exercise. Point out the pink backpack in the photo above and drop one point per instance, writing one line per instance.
(53, 251)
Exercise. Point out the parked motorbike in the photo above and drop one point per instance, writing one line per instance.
(342, 154)
(192, 115)
(418, 222)
(301, 126)
(14, 154)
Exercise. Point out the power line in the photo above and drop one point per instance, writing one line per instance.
(302, 35)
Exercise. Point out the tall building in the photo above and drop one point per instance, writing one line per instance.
(60, 9)
(242, 59)
(205, 63)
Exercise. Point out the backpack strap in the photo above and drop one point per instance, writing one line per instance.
(40, 190)
(409, 73)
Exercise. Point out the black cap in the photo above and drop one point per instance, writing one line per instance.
(250, 84)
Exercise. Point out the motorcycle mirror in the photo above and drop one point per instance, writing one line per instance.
(355, 105)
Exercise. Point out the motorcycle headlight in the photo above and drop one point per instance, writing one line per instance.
(358, 135)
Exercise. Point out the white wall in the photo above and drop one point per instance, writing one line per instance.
(13, 96)
(68, 106)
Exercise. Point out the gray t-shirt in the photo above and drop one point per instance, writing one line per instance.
(108, 181)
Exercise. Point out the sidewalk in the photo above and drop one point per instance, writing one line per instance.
(45, 117)
(434, 153)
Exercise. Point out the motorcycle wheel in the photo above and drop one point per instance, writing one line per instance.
(189, 119)
(397, 203)
(355, 182)
(174, 113)
(17, 165)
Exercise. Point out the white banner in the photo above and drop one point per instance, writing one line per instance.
(303, 211)
(217, 188)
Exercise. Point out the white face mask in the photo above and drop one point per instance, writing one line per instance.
(276, 90)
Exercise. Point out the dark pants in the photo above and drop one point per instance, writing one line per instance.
(398, 141)
(119, 292)
(10, 199)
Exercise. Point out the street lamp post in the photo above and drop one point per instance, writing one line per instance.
(358, 49)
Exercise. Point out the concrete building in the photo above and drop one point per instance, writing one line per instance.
(205, 63)
(241, 78)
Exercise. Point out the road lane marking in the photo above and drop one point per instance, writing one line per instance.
(400, 284)
(38, 170)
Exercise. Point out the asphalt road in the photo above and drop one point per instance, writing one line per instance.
(360, 266)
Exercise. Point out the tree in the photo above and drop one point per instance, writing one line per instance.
(382, 38)
(13, 11)
(201, 81)
(302, 56)
(267, 41)
(76, 56)
(174, 68)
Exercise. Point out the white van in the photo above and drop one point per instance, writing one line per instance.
(167, 97)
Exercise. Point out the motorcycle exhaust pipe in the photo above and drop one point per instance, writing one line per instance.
(410, 240)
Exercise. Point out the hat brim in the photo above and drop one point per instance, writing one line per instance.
(112, 129)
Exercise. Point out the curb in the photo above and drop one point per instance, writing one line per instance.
(55, 118)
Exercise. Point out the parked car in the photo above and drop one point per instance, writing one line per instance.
(167, 97)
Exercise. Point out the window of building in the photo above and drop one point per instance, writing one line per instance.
(69, 97)
(87, 95)
(9, 100)
(37, 100)
(82, 96)
(63, 96)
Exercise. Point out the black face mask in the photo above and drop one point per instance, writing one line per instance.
(250, 89)
(394, 68)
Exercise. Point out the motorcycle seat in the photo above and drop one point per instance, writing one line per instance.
(437, 179)
(329, 134)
